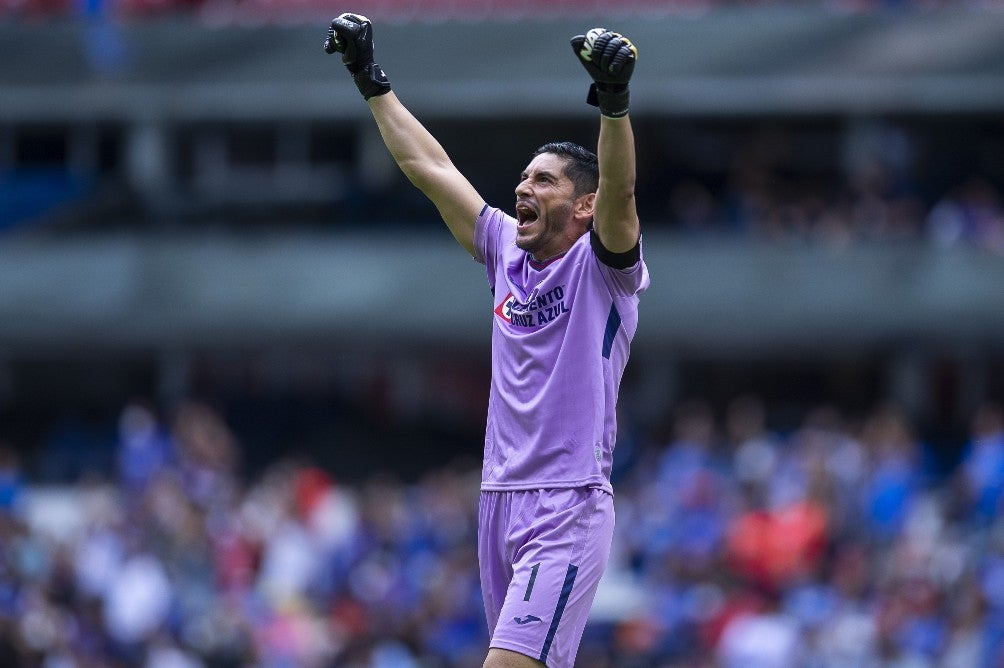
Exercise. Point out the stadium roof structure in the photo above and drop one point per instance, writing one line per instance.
(766, 60)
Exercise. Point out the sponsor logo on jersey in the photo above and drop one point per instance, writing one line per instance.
(504, 309)
(539, 309)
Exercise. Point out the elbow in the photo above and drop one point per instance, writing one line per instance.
(620, 190)
(626, 195)
(423, 174)
(622, 199)
(411, 170)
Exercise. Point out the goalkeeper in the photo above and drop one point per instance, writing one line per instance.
(565, 273)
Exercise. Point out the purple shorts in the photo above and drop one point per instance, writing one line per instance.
(542, 553)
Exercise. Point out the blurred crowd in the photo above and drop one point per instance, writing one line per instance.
(889, 185)
(775, 210)
(837, 543)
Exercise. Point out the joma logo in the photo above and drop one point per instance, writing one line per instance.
(526, 620)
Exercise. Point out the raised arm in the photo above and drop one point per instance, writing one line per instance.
(609, 58)
(615, 217)
(425, 163)
(419, 155)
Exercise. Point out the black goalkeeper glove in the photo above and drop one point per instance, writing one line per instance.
(352, 36)
(609, 57)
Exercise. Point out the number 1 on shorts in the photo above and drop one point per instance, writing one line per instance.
(533, 577)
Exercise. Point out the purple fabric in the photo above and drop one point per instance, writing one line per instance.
(560, 342)
(542, 554)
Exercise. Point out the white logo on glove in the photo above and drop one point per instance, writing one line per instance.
(587, 46)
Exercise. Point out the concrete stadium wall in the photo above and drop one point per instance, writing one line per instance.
(127, 292)
(730, 61)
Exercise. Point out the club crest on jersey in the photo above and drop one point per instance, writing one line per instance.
(538, 310)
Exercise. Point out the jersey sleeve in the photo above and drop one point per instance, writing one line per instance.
(485, 235)
(625, 273)
(488, 232)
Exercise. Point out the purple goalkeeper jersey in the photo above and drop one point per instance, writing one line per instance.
(560, 341)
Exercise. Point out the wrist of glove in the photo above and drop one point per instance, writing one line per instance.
(371, 81)
(613, 100)
(609, 58)
(352, 36)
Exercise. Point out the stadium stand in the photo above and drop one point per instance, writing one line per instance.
(210, 397)
(833, 544)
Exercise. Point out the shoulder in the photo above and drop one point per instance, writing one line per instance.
(491, 216)
(493, 229)
(624, 274)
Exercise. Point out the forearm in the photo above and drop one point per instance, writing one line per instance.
(609, 58)
(615, 152)
(426, 164)
(616, 218)
(419, 155)
(412, 146)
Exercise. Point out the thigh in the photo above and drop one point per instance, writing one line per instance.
(504, 658)
(560, 542)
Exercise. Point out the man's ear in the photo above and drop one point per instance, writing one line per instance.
(585, 205)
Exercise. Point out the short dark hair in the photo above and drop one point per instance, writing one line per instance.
(581, 166)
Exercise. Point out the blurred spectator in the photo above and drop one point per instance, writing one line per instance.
(11, 478)
(684, 497)
(970, 214)
(895, 475)
(768, 638)
(137, 601)
(143, 449)
(755, 455)
(693, 208)
(982, 467)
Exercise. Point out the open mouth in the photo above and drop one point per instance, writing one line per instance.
(525, 214)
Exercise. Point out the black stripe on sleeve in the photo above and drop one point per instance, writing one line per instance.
(611, 259)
